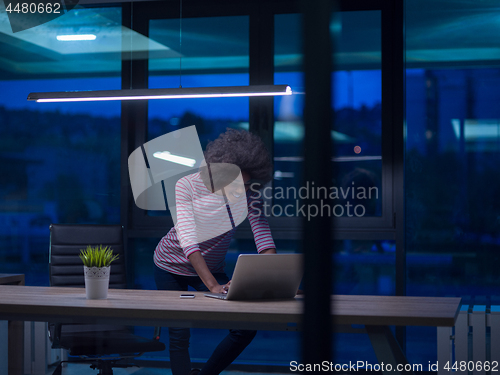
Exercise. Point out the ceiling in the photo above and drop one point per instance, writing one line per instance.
(443, 33)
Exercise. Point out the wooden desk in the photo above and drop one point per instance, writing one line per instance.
(165, 308)
(16, 328)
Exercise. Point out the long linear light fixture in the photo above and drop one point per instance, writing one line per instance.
(147, 94)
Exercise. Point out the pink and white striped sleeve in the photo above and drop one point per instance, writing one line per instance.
(185, 225)
(260, 227)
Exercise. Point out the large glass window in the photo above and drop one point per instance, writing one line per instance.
(452, 154)
(60, 162)
(356, 102)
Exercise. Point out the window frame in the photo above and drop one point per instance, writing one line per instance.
(261, 71)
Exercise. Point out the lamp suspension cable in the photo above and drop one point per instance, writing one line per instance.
(131, 44)
(180, 45)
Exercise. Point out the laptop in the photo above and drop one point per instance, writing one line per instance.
(264, 276)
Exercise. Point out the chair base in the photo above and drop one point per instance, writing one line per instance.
(105, 366)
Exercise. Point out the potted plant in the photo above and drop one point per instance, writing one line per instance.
(96, 265)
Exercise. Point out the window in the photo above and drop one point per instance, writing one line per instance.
(357, 131)
(213, 52)
(452, 153)
(365, 253)
(60, 161)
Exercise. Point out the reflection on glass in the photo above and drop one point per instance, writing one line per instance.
(361, 267)
(452, 156)
(364, 267)
(356, 101)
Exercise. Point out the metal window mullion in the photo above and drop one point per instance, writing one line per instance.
(462, 336)
(444, 348)
(133, 123)
(478, 323)
(495, 333)
(261, 72)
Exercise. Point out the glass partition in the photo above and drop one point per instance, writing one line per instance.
(360, 267)
(452, 154)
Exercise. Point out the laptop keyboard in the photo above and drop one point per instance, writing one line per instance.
(216, 295)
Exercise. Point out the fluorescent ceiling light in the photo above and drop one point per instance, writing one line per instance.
(112, 36)
(70, 38)
(477, 130)
(293, 131)
(165, 155)
(147, 94)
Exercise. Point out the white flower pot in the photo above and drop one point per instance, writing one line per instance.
(96, 282)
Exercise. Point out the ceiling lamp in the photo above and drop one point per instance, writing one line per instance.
(146, 94)
(149, 94)
(74, 38)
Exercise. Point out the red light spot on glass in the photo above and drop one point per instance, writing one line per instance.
(357, 149)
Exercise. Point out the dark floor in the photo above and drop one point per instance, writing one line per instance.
(79, 369)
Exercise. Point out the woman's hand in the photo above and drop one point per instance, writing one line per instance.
(226, 287)
(205, 275)
(220, 288)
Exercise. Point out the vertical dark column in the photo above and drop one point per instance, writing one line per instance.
(393, 53)
(467, 160)
(133, 120)
(432, 113)
(317, 245)
(261, 71)
(470, 97)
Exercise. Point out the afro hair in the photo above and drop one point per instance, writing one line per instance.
(244, 149)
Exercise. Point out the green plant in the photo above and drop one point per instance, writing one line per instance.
(98, 256)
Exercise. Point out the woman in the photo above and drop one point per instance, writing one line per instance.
(192, 253)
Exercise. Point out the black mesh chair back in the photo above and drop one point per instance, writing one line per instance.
(66, 241)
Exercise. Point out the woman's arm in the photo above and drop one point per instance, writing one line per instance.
(204, 273)
(186, 230)
(260, 227)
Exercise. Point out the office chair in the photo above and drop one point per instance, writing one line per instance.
(103, 346)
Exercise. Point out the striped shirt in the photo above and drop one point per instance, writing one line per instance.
(206, 222)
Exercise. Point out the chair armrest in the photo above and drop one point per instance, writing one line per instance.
(54, 330)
